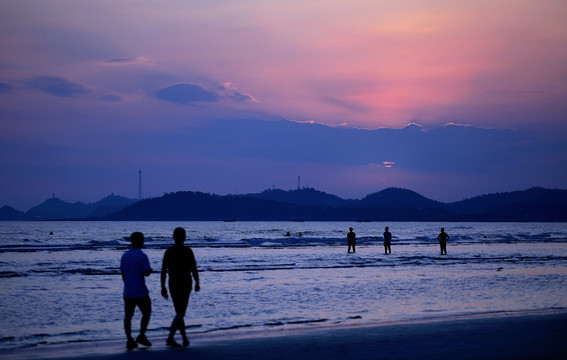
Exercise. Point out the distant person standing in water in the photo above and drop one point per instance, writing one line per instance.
(351, 240)
(179, 262)
(387, 241)
(134, 266)
(442, 238)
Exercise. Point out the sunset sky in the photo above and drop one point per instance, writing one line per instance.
(448, 98)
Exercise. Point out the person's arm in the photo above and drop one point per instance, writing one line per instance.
(122, 268)
(147, 267)
(163, 277)
(195, 274)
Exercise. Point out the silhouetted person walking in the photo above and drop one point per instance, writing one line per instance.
(134, 266)
(179, 262)
(387, 241)
(351, 240)
(442, 238)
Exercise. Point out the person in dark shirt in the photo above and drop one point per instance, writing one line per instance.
(387, 241)
(179, 263)
(351, 240)
(442, 238)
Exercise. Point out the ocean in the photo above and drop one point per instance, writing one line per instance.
(60, 281)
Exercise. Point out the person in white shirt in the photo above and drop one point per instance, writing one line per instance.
(134, 267)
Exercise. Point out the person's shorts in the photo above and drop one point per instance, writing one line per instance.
(143, 303)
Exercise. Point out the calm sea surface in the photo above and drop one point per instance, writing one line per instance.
(66, 286)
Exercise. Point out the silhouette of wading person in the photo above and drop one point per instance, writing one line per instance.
(351, 240)
(134, 266)
(442, 238)
(387, 241)
(179, 263)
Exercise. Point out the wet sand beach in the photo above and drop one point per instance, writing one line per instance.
(531, 335)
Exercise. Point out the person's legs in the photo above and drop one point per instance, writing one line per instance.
(145, 306)
(178, 323)
(129, 308)
(182, 332)
(181, 310)
(180, 300)
(170, 341)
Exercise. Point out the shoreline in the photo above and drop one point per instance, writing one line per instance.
(517, 334)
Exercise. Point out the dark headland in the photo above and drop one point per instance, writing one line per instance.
(307, 204)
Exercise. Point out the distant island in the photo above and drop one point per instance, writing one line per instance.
(307, 204)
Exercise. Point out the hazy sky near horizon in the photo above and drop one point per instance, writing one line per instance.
(193, 93)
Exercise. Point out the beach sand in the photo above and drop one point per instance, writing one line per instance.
(503, 336)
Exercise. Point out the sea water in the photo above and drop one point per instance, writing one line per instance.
(60, 281)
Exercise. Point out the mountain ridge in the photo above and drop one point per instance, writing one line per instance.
(57, 209)
(308, 204)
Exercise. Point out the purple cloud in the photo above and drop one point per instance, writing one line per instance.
(186, 94)
(57, 86)
(192, 93)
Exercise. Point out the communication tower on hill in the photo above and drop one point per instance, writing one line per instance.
(139, 184)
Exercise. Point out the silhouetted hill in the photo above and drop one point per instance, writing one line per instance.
(57, 209)
(304, 196)
(398, 198)
(10, 214)
(110, 205)
(534, 204)
(187, 205)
